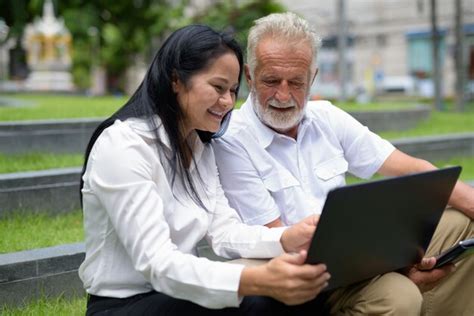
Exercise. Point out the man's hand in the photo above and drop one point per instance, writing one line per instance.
(298, 236)
(424, 276)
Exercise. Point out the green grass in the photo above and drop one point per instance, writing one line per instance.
(44, 106)
(438, 123)
(372, 106)
(49, 306)
(467, 173)
(38, 161)
(21, 231)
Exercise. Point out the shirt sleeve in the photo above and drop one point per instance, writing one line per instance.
(231, 238)
(364, 150)
(242, 184)
(122, 175)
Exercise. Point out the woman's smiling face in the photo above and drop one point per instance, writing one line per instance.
(209, 95)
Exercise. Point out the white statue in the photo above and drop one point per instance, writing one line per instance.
(47, 42)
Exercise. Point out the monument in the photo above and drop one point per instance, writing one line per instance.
(47, 42)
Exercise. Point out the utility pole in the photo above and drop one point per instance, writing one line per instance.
(459, 58)
(436, 59)
(342, 49)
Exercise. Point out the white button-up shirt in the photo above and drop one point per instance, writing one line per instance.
(141, 232)
(267, 175)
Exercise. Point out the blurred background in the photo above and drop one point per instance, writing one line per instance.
(404, 68)
(371, 48)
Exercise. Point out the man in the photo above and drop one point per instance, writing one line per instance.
(282, 155)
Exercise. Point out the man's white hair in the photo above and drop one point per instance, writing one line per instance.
(286, 27)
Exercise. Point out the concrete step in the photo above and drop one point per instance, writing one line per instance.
(29, 275)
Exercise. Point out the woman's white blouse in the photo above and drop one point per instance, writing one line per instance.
(141, 231)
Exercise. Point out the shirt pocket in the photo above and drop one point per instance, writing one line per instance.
(282, 187)
(331, 168)
(278, 181)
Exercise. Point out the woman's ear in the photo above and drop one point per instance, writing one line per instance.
(175, 83)
(174, 86)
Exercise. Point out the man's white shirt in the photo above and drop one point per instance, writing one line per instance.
(267, 175)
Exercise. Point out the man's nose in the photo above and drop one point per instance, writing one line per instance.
(283, 93)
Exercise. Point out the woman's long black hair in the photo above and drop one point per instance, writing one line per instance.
(186, 52)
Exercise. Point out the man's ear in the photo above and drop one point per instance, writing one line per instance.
(248, 77)
(314, 76)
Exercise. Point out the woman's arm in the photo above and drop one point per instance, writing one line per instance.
(285, 278)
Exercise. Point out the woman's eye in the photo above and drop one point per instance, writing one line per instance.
(219, 88)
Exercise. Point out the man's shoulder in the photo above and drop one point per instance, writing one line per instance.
(320, 107)
(240, 127)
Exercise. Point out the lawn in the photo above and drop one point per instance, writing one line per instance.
(49, 306)
(44, 106)
(27, 231)
(38, 161)
(467, 173)
(437, 123)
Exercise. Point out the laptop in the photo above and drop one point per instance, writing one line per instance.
(376, 227)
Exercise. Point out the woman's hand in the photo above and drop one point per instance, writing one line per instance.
(424, 276)
(298, 236)
(285, 278)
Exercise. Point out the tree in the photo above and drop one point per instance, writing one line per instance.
(238, 17)
(123, 28)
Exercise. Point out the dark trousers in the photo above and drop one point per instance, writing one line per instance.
(154, 303)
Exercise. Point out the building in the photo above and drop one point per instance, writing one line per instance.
(389, 44)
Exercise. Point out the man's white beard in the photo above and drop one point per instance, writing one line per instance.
(280, 121)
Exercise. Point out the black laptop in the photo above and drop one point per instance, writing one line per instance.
(372, 228)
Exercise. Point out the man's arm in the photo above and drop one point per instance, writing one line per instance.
(275, 223)
(399, 163)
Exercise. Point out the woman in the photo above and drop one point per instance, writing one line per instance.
(150, 192)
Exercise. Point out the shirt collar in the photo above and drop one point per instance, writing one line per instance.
(143, 127)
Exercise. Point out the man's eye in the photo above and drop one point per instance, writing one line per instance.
(270, 82)
(297, 84)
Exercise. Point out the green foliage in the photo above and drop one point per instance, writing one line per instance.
(38, 161)
(46, 306)
(238, 16)
(123, 29)
(23, 231)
